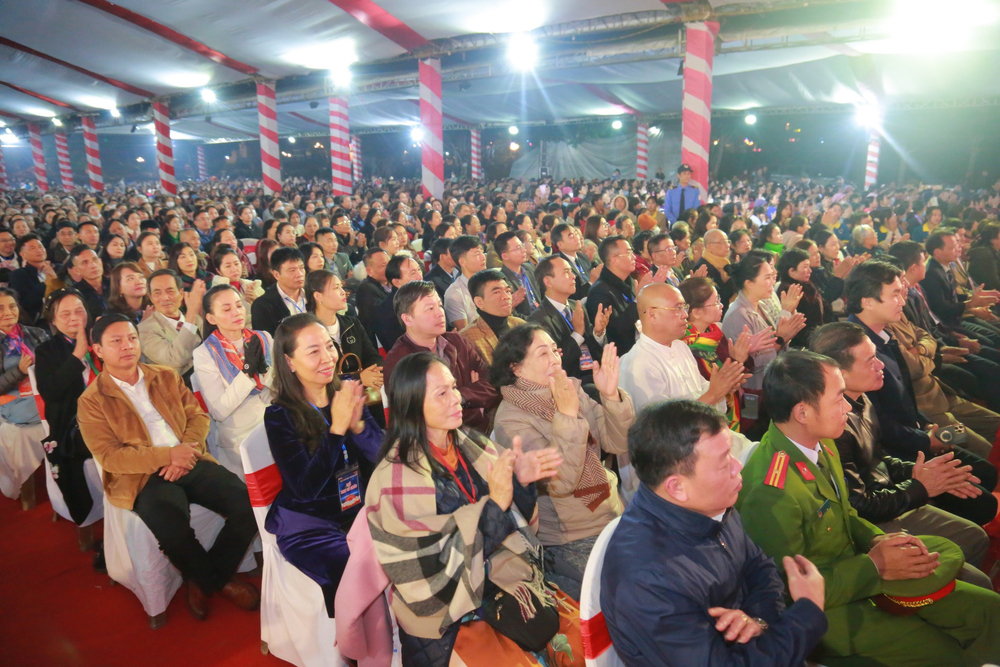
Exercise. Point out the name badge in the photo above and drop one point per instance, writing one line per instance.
(586, 361)
(349, 486)
(824, 508)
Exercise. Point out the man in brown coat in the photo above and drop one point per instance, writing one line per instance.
(494, 302)
(147, 432)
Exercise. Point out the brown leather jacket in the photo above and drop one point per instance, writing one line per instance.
(119, 439)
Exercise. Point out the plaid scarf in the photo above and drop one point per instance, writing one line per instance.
(436, 561)
(537, 399)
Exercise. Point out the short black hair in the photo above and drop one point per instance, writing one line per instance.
(63, 224)
(866, 281)
(907, 252)
(501, 241)
(462, 245)
(607, 245)
(382, 235)
(76, 251)
(166, 272)
(441, 246)
(394, 269)
(662, 439)
(409, 294)
(479, 280)
(936, 240)
(285, 255)
(791, 378)
(88, 222)
(545, 270)
(556, 235)
(24, 240)
(322, 231)
(835, 340)
(105, 321)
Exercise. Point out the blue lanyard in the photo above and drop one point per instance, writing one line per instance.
(527, 288)
(343, 445)
(565, 314)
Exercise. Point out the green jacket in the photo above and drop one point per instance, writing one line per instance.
(788, 521)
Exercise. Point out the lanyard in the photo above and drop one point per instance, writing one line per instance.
(343, 445)
(293, 304)
(566, 316)
(470, 496)
(532, 301)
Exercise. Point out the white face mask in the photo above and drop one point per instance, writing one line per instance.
(170, 204)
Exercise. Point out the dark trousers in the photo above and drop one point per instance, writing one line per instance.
(982, 509)
(976, 378)
(165, 507)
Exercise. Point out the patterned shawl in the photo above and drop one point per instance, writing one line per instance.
(436, 561)
(705, 348)
(537, 399)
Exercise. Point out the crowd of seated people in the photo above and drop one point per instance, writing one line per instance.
(501, 373)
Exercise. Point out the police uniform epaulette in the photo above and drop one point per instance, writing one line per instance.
(776, 473)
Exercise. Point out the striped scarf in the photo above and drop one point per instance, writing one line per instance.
(705, 348)
(229, 361)
(537, 399)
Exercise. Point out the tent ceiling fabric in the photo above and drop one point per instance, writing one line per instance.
(285, 38)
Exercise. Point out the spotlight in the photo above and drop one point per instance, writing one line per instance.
(617, 125)
(341, 75)
(750, 119)
(655, 131)
(140, 159)
(9, 131)
(522, 52)
(417, 133)
(208, 95)
(314, 104)
(514, 146)
(57, 122)
(512, 129)
(3, 124)
(291, 140)
(115, 113)
(134, 129)
(869, 115)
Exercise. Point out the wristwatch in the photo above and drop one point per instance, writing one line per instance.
(762, 623)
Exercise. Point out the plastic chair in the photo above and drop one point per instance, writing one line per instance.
(134, 559)
(294, 624)
(21, 454)
(597, 649)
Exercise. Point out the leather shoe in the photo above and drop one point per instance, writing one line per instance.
(197, 601)
(242, 594)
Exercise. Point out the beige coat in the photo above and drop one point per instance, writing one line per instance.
(163, 344)
(118, 438)
(561, 517)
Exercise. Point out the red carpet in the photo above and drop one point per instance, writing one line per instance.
(55, 610)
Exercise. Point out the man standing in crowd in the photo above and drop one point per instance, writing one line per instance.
(794, 501)
(682, 583)
(467, 253)
(580, 339)
(419, 309)
(616, 290)
(147, 431)
(286, 296)
(682, 197)
(518, 271)
(494, 305)
(169, 337)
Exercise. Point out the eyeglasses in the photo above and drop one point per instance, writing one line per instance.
(681, 308)
(624, 254)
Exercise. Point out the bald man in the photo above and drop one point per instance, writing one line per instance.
(716, 258)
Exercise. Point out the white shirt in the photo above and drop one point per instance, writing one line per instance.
(159, 430)
(184, 325)
(334, 330)
(811, 454)
(458, 303)
(562, 308)
(294, 306)
(654, 372)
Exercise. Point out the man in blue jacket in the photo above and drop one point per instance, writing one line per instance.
(682, 584)
(682, 197)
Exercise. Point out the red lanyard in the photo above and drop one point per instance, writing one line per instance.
(461, 459)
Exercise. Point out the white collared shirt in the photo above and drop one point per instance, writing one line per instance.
(811, 454)
(294, 306)
(458, 303)
(184, 325)
(652, 372)
(159, 430)
(562, 308)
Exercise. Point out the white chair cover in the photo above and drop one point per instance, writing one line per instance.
(293, 617)
(21, 453)
(134, 558)
(597, 649)
(228, 459)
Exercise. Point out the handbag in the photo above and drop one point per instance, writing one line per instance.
(372, 395)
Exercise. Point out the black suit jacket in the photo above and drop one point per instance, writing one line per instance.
(941, 294)
(30, 291)
(268, 310)
(582, 278)
(97, 304)
(441, 279)
(610, 290)
(386, 325)
(549, 317)
(369, 295)
(524, 308)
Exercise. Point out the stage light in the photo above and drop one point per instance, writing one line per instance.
(115, 113)
(208, 95)
(140, 159)
(869, 115)
(655, 131)
(750, 119)
(417, 133)
(617, 125)
(522, 52)
(513, 129)
(341, 75)
(514, 146)
(57, 122)
(3, 124)
(291, 140)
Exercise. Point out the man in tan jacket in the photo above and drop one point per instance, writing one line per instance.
(169, 336)
(494, 302)
(147, 431)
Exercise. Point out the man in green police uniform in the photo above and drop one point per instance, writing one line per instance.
(794, 501)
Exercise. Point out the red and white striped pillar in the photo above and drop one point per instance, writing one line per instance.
(93, 151)
(38, 156)
(871, 167)
(696, 113)
(202, 169)
(356, 158)
(432, 123)
(476, 163)
(65, 167)
(4, 185)
(641, 149)
(270, 157)
(340, 146)
(164, 148)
